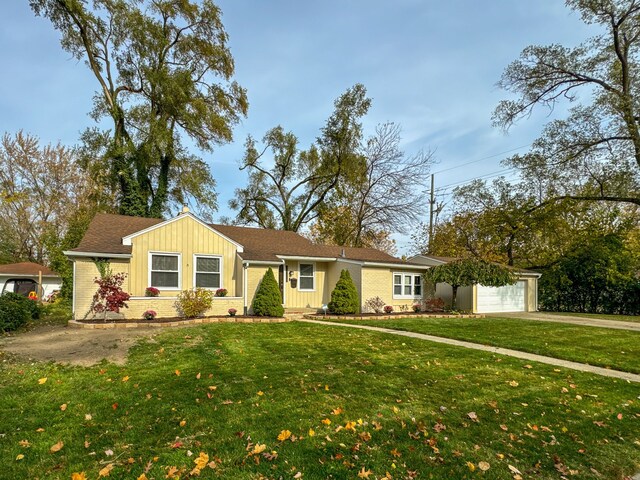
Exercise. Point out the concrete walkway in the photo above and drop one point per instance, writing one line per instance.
(584, 321)
(582, 367)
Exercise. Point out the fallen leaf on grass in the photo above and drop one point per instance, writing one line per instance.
(78, 476)
(284, 435)
(513, 383)
(105, 471)
(183, 423)
(484, 466)
(473, 416)
(364, 473)
(63, 407)
(57, 447)
(326, 421)
(311, 432)
(19, 456)
(42, 381)
(24, 443)
(177, 372)
(258, 448)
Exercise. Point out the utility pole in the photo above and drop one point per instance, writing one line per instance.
(432, 202)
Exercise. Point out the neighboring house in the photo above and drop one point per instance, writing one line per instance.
(184, 252)
(24, 277)
(522, 296)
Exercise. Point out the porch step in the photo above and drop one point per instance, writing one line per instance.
(298, 312)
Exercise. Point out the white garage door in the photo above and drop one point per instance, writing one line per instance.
(510, 298)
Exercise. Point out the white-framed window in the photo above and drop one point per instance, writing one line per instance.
(307, 277)
(164, 270)
(207, 271)
(407, 285)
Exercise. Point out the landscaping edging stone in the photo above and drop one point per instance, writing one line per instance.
(319, 316)
(179, 323)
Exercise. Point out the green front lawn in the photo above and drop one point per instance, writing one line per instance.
(617, 349)
(345, 404)
(602, 316)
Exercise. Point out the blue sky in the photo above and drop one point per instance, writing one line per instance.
(430, 66)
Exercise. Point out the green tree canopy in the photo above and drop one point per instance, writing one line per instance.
(286, 190)
(594, 153)
(164, 73)
(470, 271)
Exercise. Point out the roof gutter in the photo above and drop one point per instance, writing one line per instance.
(310, 259)
(70, 253)
(262, 262)
(396, 265)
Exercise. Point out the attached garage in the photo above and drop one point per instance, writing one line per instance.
(522, 296)
(510, 298)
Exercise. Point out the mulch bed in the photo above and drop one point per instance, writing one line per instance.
(228, 318)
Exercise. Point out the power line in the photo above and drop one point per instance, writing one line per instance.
(485, 176)
(481, 159)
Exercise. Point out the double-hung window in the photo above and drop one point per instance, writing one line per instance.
(165, 270)
(307, 276)
(208, 271)
(407, 285)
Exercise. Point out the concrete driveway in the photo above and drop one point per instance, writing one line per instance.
(588, 322)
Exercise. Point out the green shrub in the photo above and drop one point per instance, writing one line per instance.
(344, 298)
(14, 311)
(268, 301)
(193, 303)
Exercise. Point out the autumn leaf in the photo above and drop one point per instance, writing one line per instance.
(24, 443)
(513, 383)
(364, 473)
(484, 466)
(337, 411)
(258, 448)
(63, 407)
(105, 471)
(396, 453)
(365, 436)
(78, 476)
(183, 423)
(172, 472)
(260, 393)
(57, 447)
(284, 435)
(198, 376)
(202, 460)
(42, 381)
(471, 466)
(125, 378)
(326, 421)
(311, 432)
(350, 426)
(473, 416)
(177, 372)
(142, 477)
(19, 456)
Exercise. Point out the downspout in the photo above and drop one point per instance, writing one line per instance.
(73, 294)
(245, 266)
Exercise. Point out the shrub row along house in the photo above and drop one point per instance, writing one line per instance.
(184, 252)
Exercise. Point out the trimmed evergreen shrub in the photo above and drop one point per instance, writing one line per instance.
(268, 301)
(14, 311)
(344, 298)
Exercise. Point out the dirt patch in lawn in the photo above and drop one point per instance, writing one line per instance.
(73, 346)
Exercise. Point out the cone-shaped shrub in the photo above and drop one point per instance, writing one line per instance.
(268, 301)
(344, 298)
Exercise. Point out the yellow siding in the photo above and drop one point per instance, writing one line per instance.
(334, 271)
(295, 298)
(532, 297)
(84, 286)
(187, 237)
(378, 282)
(254, 277)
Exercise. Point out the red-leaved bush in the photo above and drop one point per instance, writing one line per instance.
(110, 297)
